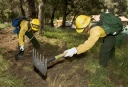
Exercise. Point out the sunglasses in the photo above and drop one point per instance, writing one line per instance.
(35, 26)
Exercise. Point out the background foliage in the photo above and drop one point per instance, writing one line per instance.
(63, 9)
(56, 9)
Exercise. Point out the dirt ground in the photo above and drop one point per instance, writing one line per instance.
(24, 69)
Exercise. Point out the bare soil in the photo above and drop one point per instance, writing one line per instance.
(24, 69)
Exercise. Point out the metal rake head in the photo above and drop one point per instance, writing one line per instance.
(39, 62)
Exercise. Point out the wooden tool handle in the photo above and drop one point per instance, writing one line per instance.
(61, 55)
(56, 57)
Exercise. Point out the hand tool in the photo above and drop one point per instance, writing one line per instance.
(40, 63)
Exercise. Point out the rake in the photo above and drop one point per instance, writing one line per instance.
(40, 63)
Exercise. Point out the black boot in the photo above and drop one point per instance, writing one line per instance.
(19, 56)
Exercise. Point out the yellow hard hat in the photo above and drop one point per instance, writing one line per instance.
(82, 22)
(35, 24)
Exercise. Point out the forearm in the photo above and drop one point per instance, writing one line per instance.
(84, 47)
(21, 37)
(88, 44)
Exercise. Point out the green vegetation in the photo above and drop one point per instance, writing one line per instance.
(69, 35)
(6, 78)
(91, 73)
(98, 76)
(5, 25)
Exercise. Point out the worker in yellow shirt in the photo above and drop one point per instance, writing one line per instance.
(27, 28)
(107, 50)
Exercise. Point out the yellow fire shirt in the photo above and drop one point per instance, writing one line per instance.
(94, 34)
(23, 29)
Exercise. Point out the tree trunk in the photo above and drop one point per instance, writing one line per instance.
(52, 18)
(41, 16)
(21, 7)
(64, 14)
(30, 9)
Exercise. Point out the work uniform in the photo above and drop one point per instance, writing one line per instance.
(107, 48)
(26, 30)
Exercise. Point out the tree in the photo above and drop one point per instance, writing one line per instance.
(30, 9)
(21, 7)
(66, 10)
(116, 6)
(41, 15)
(54, 9)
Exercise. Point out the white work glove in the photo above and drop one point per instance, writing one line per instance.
(22, 48)
(70, 52)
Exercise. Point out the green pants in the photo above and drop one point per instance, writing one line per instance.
(107, 50)
(34, 41)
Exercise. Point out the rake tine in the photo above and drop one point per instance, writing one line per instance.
(40, 59)
(43, 60)
(39, 62)
(34, 53)
(44, 63)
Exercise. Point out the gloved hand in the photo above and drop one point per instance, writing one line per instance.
(70, 52)
(22, 48)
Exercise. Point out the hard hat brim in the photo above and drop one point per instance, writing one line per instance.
(79, 30)
(35, 29)
(82, 22)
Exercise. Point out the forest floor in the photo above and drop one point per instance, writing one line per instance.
(24, 69)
